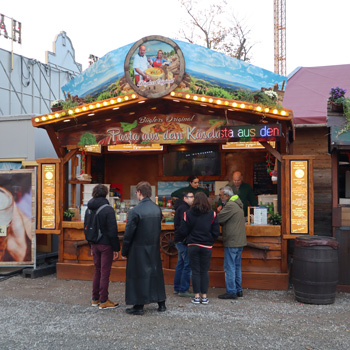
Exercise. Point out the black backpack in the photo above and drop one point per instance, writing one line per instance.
(92, 226)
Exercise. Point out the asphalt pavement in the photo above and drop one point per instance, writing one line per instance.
(46, 313)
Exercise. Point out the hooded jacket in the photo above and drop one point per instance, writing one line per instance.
(180, 207)
(231, 217)
(199, 228)
(107, 221)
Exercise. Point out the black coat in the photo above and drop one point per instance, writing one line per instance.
(199, 228)
(180, 207)
(107, 221)
(141, 245)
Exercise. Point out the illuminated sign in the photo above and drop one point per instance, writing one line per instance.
(48, 197)
(299, 196)
(10, 28)
(246, 145)
(93, 148)
(134, 147)
(260, 132)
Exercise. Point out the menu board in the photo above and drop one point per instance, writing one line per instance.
(299, 197)
(262, 183)
(48, 198)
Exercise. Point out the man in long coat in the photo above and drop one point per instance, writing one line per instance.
(141, 246)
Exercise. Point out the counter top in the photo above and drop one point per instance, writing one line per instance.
(251, 230)
(121, 225)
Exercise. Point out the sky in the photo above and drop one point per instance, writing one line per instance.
(316, 32)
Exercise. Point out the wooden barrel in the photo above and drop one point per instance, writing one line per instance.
(315, 269)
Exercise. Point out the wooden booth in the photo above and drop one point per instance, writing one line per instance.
(339, 148)
(170, 126)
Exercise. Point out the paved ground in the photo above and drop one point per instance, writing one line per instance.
(46, 313)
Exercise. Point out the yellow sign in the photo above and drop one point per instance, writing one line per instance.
(48, 197)
(134, 147)
(299, 196)
(93, 148)
(246, 145)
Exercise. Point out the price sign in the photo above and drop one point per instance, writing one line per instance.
(299, 197)
(48, 196)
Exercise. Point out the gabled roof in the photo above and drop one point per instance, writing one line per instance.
(308, 90)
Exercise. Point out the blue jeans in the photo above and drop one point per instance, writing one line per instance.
(182, 277)
(232, 267)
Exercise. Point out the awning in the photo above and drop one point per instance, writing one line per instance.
(308, 90)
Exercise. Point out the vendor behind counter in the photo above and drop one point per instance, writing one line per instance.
(193, 187)
(244, 192)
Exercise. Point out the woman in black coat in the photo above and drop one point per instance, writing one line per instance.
(201, 227)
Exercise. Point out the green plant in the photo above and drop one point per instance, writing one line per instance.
(345, 101)
(271, 94)
(275, 219)
(87, 139)
(269, 206)
(69, 104)
(57, 103)
(244, 95)
(69, 213)
(336, 93)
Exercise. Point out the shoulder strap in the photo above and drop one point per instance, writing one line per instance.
(214, 214)
(101, 207)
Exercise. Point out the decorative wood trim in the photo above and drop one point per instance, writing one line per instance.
(272, 150)
(70, 155)
(54, 139)
(48, 232)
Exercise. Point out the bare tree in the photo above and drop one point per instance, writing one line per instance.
(212, 27)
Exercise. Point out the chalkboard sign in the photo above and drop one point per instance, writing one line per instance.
(262, 183)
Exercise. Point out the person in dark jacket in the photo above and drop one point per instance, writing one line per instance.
(141, 246)
(243, 190)
(106, 250)
(193, 187)
(182, 277)
(201, 227)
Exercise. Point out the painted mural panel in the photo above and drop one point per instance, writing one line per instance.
(206, 72)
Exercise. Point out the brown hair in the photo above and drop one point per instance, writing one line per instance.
(145, 188)
(100, 191)
(192, 178)
(201, 202)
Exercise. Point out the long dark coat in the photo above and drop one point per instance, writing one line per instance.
(141, 245)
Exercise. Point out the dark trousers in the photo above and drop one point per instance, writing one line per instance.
(200, 263)
(103, 258)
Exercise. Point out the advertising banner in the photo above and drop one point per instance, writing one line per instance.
(17, 217)
(174, 128)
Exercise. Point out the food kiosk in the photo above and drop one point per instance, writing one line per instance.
(190, 115)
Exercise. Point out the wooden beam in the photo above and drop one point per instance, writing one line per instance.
(270, 149)
(54, 139)
(70, 155)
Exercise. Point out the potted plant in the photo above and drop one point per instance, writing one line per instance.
(275, 219)
(68, 214)
(56, 105)
(336, 99)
